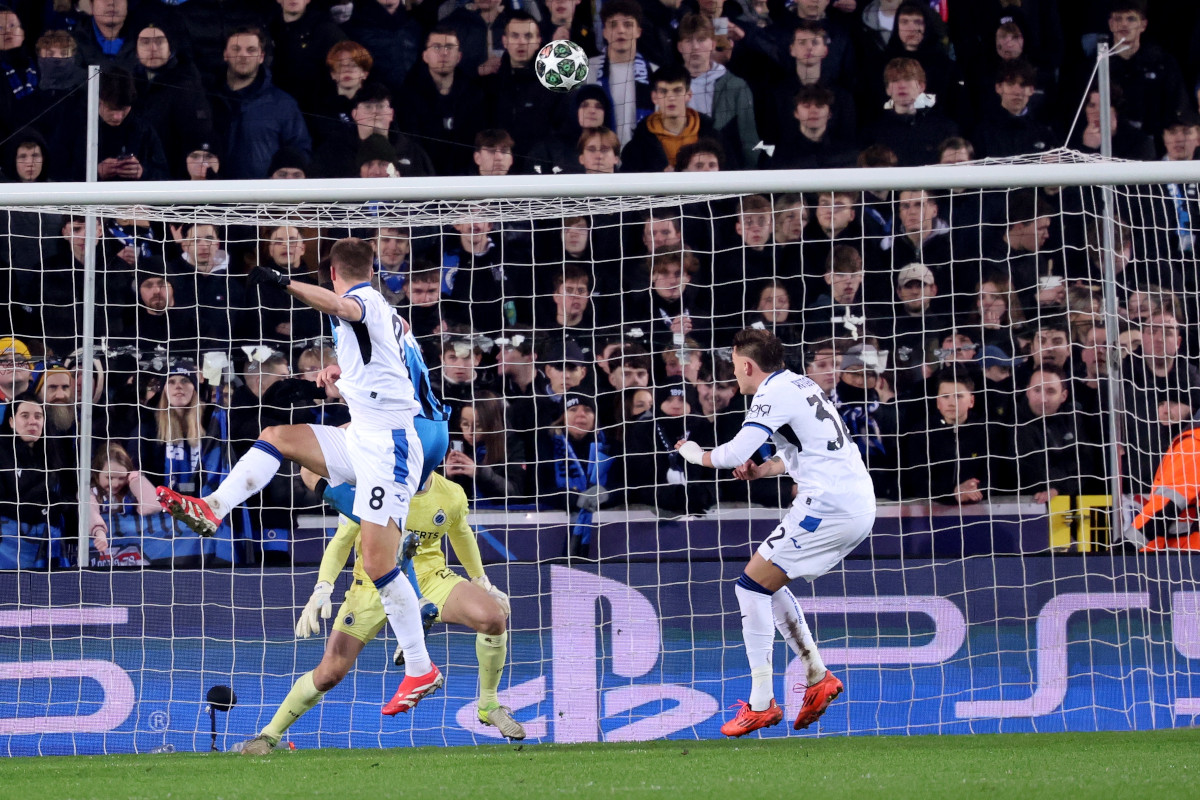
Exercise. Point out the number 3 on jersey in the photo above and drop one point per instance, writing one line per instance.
(823, 412)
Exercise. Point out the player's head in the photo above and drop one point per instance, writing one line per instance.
(351, 260)
(756, 354)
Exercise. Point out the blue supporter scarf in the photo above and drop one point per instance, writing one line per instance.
(21, 85)
(110, 47)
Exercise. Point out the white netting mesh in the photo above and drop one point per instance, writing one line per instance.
(962, 335)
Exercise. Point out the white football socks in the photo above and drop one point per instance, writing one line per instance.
(404, 615)
(758, 632)
(249, 475)
(789, 619)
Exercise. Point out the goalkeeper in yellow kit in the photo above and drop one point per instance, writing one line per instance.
(438, 509)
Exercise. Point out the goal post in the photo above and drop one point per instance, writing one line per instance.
(1012, 364)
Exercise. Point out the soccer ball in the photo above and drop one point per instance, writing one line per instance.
(561, 65)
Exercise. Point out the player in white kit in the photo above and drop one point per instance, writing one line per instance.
(833, 512)
(379, 451)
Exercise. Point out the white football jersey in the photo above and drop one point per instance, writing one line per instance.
(813, 443)
(375, 378)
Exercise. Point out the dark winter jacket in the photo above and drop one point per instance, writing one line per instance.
(254, 123)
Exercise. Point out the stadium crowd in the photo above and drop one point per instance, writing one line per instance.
(961, 335)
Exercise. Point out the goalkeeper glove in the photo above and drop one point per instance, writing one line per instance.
(265, 275)
(500, 597)
(319, 603)
(592, 498)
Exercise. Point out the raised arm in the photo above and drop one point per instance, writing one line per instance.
(350, 309)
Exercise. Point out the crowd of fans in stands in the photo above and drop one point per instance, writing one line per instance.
(961, 334)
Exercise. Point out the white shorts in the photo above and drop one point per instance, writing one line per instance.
(384, 466)
(808, 547)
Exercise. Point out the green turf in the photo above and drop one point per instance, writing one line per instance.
(1162, 765)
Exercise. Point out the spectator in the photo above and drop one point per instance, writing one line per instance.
(659, 136)
(564, 22)
(302, 37)
(1181, 139)
(129, 149)
(289, 163)
(445, 103)
(655, 474)
(740, 271)
(718, 93)
(493, 152)
(350, 66)
(791, 216)
(573, 468)
(564, 368)
(1146, 74)
(461, 376)
(205, 287)
(808, 51)
(515, 99)
(996, 314)
(19, 64)
(840, 310)
(251, 115)
(1019, 252)
(480, 28)
(424, 294)
(170, 97)
(706, 155)
(1127, 141)
(948, 455)
(568, 312)
(1162, 393)
(56, 105)
(46, 294)
(30, 496)
(559, 151)
(1009, 129)
(621, 70)
(106, 37)
(624, 366)
(174, 448)
(202, 161)
(923, 236)
(392, 247)
(155, 321)
(518, 375)
(271, 317)
(809, 142)
(838, 68)
(599, 151)
(251, 410)
(1050, 345)
(1054, 455)
(918, 314)
(774, 312)
(821, 364)
(388, 31)
(919, 34)
(122, 510)
(489, 281)
(865, 401)
(16, 372)
(371, 115)
(28, 236)
(834, 221)
(671, 306)
(910, 126)
(488, 460)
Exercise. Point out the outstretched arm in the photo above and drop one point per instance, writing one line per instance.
(734, 453)
(348, 308)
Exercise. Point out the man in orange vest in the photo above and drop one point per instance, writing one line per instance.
(1169, 519)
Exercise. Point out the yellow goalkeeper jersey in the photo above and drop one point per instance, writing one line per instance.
(432, 515)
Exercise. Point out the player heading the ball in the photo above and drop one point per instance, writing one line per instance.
(384, 381)
(832, 514)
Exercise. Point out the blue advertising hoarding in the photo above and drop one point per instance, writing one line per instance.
(120, 662)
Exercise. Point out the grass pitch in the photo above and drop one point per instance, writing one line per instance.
(1163, 764)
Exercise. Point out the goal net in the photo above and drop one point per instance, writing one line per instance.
(1013, 364)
